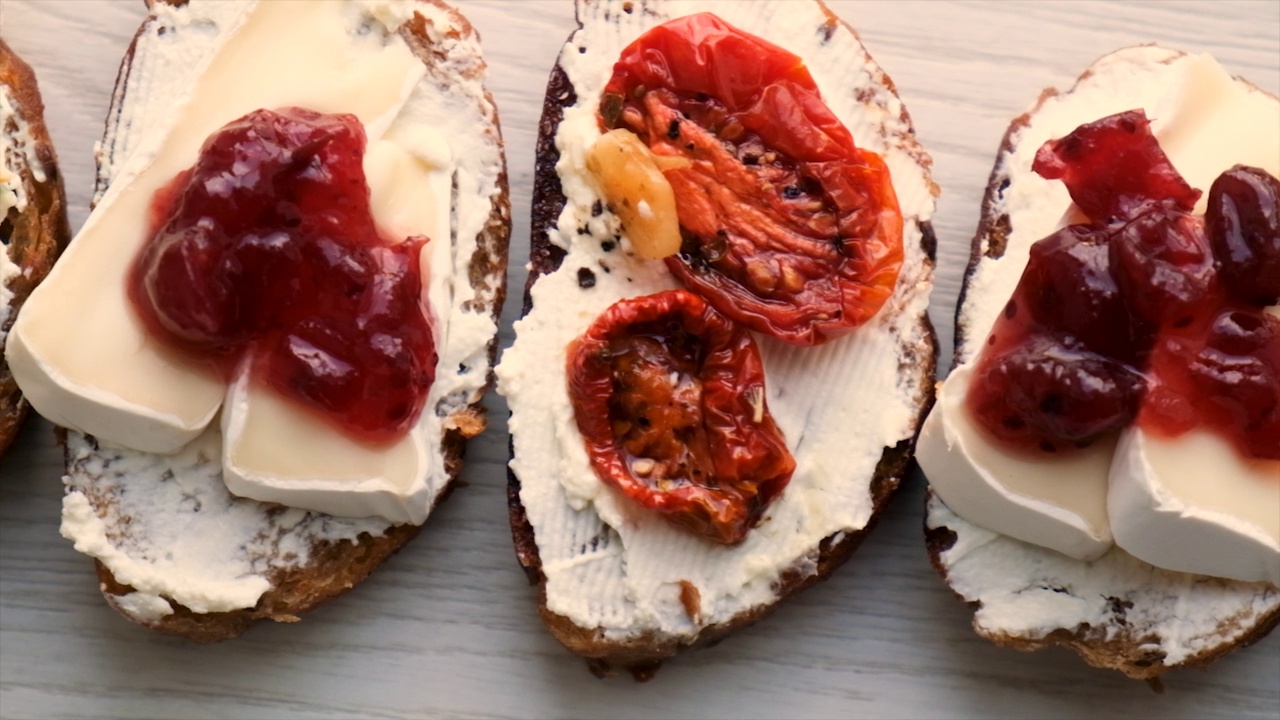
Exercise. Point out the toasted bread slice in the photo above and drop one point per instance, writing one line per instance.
(616, 586)
(174, 550)
(33, 213)
(1116, 612)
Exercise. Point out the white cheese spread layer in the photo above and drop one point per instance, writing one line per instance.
(1028, 591)
(609, 563)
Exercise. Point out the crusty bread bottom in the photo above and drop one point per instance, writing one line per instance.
(1128, 646)
(642, 655)
(1117, 645)
(36, 236)
(331, 566)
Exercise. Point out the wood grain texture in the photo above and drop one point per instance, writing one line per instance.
(449, 627)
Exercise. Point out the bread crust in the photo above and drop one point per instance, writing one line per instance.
(333, 567)
(1119, 649)
(36, 236)
(642, 655)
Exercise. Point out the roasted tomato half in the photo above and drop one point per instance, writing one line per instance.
(787, 227)
(669, 396)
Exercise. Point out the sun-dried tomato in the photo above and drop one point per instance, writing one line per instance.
(670, 398)
(787, 226)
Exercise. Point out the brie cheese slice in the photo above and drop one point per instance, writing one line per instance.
(78, 351)
(274, 450)
(1193, 504)
(1058, 502)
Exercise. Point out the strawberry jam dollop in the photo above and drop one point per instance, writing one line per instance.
(1146, 312)
(266, 252)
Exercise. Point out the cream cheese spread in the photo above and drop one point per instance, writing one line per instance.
(166, 524)
(1157, 504)
(1028, 592)
(609, 563)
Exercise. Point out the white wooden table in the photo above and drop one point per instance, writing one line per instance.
(448, 626)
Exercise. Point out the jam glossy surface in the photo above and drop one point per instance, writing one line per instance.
(266, 250)
(1147, 312)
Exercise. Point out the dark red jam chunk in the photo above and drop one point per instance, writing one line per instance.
(1162, 261)
(1243, 223)
(1068, 286)
(1113, 166)
(1050, 393)
(1223, 373)
(267, 248)
(1146, 311)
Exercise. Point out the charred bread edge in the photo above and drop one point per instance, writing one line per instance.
(296, 590)
(36, 235)
(990, 241)
(643, 655)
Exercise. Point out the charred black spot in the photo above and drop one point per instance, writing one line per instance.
(597, 208)
(586, 278)
(673, 130)
(1052, 404)
(611, 109)
(607, 245)
(791, 192)
(828, 31)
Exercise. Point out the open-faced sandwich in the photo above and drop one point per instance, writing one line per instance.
(33, 214)
(270, 340)
(1105, 456)
(724, 357)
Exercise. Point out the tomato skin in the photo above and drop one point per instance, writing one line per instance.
(789, 227)
(735, 457)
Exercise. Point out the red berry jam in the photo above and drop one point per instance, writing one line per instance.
(1146, 312)
(1112, 167)
(266, 250)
